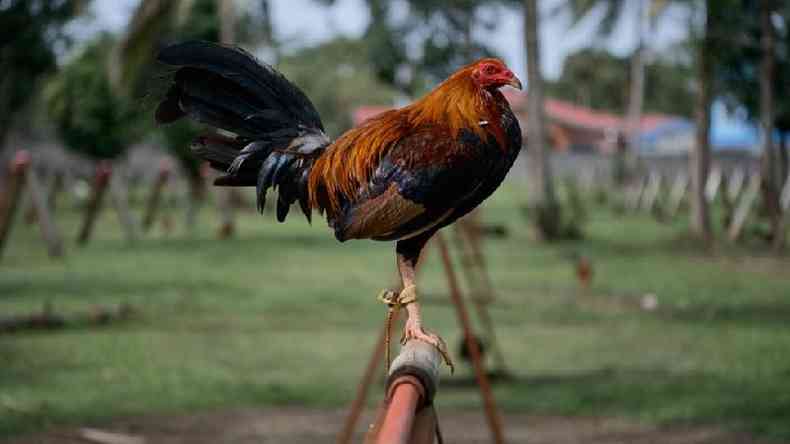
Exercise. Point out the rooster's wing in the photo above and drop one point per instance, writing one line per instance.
(426, 181)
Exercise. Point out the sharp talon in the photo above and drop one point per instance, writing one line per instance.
(442, 347)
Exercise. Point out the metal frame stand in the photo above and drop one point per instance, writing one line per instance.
(489, 403)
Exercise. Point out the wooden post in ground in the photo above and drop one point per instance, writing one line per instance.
(677, 193)
(196, 195)
(784, 209)
(651, 192)
(10, 203)
(712, 185)
(633, 195)
(119, 195)
(55, 187)
(735, 184)
(28, 206)
(93, 206)
(227, 227)
(155, 198)
(744, 207)
(41, 208)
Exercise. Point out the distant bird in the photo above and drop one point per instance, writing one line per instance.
(400, 176)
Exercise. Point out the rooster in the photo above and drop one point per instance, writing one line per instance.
(400, 176)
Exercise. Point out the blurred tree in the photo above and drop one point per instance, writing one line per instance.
(542, 198)
(90, 118)
(157, 22)
(347, 80)
(757, 58)
(414, 51)
(31, 32)
(203, 24)
(772, 182)
(715, 25)
(591, 75)
(646, 14)
(94, 121)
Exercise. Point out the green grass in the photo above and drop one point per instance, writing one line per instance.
(285, 315)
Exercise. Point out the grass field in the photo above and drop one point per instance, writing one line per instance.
(284, 315)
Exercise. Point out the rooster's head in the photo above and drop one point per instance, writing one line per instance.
(493, 74)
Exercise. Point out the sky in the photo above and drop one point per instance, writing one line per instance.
(304, 22)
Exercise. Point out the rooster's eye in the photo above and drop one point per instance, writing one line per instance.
(490, 69)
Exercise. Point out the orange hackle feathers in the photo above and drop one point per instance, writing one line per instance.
(458, 103)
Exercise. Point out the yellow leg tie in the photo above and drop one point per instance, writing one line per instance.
(394, 301)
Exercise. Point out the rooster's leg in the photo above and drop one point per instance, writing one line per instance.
(407, 253)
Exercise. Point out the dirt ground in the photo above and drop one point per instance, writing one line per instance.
(297, 426)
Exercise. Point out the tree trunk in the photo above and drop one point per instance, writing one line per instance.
(541, 192)
(636, 93)
(770, 160)
(700, 156)
(784, 164)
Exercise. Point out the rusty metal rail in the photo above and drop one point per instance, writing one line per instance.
(407, 416)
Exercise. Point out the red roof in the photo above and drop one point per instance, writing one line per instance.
(576, 115)
(556, 110)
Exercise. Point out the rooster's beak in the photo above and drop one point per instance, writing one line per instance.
(515, 82)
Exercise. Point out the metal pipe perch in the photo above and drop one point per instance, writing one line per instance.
(407, 416)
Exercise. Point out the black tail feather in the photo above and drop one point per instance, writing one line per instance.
(278, 133)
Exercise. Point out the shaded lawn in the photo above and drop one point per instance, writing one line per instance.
(285, 315)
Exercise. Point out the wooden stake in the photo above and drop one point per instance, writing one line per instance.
(16, 183)
(784, 199)
(227, 228)
(735, 184)
(119, 194)
(155, 198)
(651, 192)
(784, 205)
(677, 193)
(100, 182)
(744, 207)
(46, 222)
(633, 194)
(712, 185)
(196, 196)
